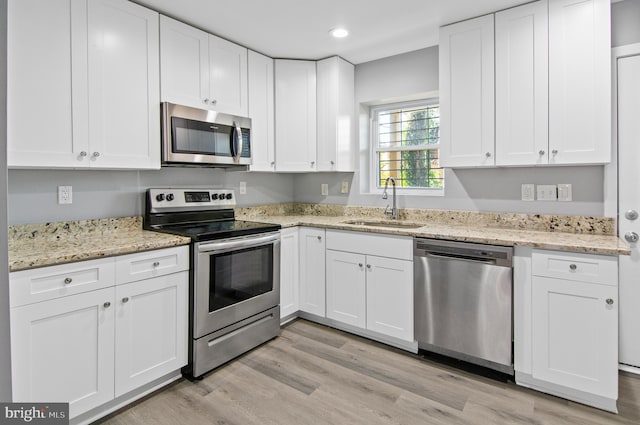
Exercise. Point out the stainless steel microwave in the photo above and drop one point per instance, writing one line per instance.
(193, 136)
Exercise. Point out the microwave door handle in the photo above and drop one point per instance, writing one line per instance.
(236, 144)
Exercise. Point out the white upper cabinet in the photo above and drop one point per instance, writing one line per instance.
(100, 82)
(295, 92)
(201, 70)
(467, 93)
(335, 114)
(579, 81)
(184, 64)
(521, 42)
(124, 72)
(228, 76)
(261, 112)
(40, 32)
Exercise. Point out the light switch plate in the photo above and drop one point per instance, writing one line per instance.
(324, 189)
(243, 188)
(547, 192)
(564, 193)
(528, 192)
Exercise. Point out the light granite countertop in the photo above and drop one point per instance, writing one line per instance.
(47, 244)
(40, 245)
(594, 235)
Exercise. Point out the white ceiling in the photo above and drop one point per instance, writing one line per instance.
(300, 28)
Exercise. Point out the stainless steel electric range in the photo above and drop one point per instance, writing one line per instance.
(234, 288)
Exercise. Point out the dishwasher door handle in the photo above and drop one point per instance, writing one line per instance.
(461, 258)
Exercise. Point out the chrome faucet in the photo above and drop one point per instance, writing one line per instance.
(394, 210)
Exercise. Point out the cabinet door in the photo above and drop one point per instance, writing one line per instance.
(289, 271)
(151, 330)
(579, 81)
(346, 288)
(184, 64)
(228, 77)
(575, 335)
(467, 93)
(390, 297)
(124, 93)
(335, 114)
(62, 351)
(42, 32)
(261, 112)
(522, 71)
(295, 115)
(312, 271)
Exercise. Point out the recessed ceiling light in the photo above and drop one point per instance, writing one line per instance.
(339, 32)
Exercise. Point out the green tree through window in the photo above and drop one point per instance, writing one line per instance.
(406, 141)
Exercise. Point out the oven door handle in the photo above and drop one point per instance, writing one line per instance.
(239, 243)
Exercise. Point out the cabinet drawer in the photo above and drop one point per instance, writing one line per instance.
(145, 265)
(587, 268)
(389, 246)
(46, 283)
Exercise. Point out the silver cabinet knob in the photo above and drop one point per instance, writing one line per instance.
(107, 304)
(368, 266)
(631, 237)
(488, 154)
(205, 101)
(555, 151)
(359, 264)
(319, 238)
(573, 266)
(541, 152)
(213, 101)
(68, 280)
(332, 163)
(125, 300)
(631, 215)
(156, 263)
(96, 154)
(83, 154)
(609, 301)
(273, 163)
(313, 163)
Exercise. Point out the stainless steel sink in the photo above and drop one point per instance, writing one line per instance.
(390, 224)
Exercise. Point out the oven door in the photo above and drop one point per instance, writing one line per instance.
(234, 279)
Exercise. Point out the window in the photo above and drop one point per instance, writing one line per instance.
(405, 146)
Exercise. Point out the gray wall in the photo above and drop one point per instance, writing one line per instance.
(5, 347)
(625, 19)
(98, 194)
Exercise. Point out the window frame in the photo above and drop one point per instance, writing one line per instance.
(374, 158)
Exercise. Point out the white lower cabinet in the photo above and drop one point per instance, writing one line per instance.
(62, 350)
(151, 330)
(346, 288)
(289, 271)
(91, 347)
(366, 287)
(567, 343)
(312, 271)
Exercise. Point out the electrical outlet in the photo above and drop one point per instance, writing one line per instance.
(528, 192)
(324, 189)
(564, 192)
(345, 186)
(547, 192)
(65, 195)
(243, 188)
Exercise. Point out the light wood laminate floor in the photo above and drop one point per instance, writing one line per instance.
(312, 374)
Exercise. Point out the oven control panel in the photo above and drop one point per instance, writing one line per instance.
(190, 199)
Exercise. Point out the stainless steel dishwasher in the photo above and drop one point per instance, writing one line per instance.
(463, 301)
